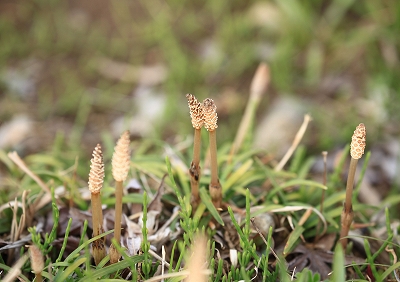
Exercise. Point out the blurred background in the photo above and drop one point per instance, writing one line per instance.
(87, 70)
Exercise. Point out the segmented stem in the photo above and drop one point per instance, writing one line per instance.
(96, 177)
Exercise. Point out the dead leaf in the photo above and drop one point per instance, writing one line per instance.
(317, 257)
(314, 259)
(132, 227)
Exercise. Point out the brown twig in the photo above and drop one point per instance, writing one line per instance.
(96, 177)
(120, 168)
(263, 238)
(357, 147)
(210, 123)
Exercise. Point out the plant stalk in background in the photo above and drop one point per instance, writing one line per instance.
(321, 209)
(196, 115)
(210, 123)
(96, 177)
(120, 168)
(258, 86)
(198, 261)
(357, 147)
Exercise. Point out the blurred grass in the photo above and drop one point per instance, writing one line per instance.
(211, 49)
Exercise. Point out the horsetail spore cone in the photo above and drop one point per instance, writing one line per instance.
(357, 148)
(96, 177)
(210, 123)
(196, 115)
(357, 145)
(120, 168)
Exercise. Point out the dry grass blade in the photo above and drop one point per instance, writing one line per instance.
(17, 227)
(21, 164)
(296, 141)
(15, 269)
(258, 86)
(40, 201)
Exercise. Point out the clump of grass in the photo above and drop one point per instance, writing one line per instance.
(196, 114)
(210, 123)
(96, 178)
(120, 168)
(357, 147)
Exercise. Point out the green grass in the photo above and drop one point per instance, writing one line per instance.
(254, 259)
(312, 43)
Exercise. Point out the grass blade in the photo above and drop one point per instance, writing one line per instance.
(205, 198)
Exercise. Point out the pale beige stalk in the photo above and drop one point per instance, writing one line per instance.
(196, 115)
(357, 147)
(210, 123)
(295, 143)
(120, 168)
(258, 86)
(198, 261)
(37, 262)
(96, 178)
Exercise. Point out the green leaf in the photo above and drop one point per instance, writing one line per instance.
(205, 198)
(98, 273)
(296, 182)
(389, 270)
(237, 174)
(69, 270)
(77, 250)
(293, 237)
(339, 274)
